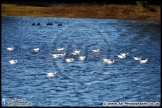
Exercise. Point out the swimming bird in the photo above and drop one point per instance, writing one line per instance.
(13, 61)
(49, 23)
(121, 56)
(69, 60)
(50, 74)
(55, 55)
(60, 24)
(82, 57)
(96, 50)
(38, 23)
(10, 48)
(143, 61)
(60, 49)
(60, 55)
(108, 61)
(76, 52)
(36, 49)
(136, 58)
(124, 54)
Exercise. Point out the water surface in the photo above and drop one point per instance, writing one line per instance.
(80, 83)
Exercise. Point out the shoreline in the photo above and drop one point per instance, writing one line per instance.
(111, 11)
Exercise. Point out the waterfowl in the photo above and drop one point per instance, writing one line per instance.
(50, 74)
(143, 61)
(60, 49)
(13, 61)
(76, 52)
(124, 54)
(49, 23)
(60, 55)
(10, 48)
(60, 24)
(121, 56)
(96, 50)
(38, 23)
(55, 56)
(69, 60)
(108, 61)
(36, 49)
(136, 58)
(82, 57)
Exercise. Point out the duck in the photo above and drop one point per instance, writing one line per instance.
(36, 49)
(143, 61)
(38, 23)
(49, 23)
(96, 50)
(60, 49)
(60, 24)
(68, 60)
(82, 57)
(136, 58)
(50, 74)
(13, 61)
(10, 48)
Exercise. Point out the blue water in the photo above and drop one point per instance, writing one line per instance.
(80, 83)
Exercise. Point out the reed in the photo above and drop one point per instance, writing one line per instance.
(134, 12)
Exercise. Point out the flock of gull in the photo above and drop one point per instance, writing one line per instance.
(76, 52)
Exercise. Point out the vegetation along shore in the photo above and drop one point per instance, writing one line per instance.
(140, 10)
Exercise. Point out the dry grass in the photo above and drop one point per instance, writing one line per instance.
(85, 11)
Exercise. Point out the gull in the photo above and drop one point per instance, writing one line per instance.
(36, 49)
(55, 55)
(13, 61)
(136, 58)
(143, 61)
(60, 49)
(82, 57)
(121, 56)
(10, 48)
(76, 52)
(124, 54)
(96, 50)
(60, 55)
(69, 60)
(108, 61)
(50, 74)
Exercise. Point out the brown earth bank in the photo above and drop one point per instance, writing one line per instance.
(137, 11)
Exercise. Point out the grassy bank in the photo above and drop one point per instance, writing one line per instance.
(151, 12)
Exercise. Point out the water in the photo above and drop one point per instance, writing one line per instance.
(80, 83)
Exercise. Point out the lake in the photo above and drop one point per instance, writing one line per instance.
(88, 82)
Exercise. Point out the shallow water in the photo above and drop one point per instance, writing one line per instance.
(80, 83)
